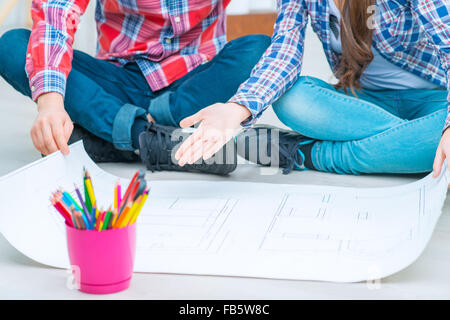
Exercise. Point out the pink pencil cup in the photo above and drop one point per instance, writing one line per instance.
(103, 259)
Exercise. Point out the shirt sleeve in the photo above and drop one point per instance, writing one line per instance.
(280, 66)
(49, 53)
(434, 16)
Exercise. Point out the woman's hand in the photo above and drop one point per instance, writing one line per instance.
(52, 128)
(442, 153)
(219, 123)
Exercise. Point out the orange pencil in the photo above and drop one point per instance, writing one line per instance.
(128, 215)
(114, 218)
(122, 216)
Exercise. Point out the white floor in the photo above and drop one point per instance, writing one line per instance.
(428, 277)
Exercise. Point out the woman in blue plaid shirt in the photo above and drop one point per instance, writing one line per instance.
(388, 111)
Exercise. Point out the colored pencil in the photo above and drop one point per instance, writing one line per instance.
(138, 175)
(85, 215)
(99, 219)
(66, 200)
(129, 215)
(115, 195)
(114, 219)
(67, 217)
(119, 194)
(94, 215)
(111, 219)
(74, 220)
(72, 200)
(87, 201)
(80, 220)
(122, 216)
(106, 221)
(86, 211)
(63, 207)
(139, 209)
(90, 191)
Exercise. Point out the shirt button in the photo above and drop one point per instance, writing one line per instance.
(33, 88)
(168, 41)
(177, 19)
(29, 55)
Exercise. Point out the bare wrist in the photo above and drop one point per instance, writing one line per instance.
(244, 113)
(50, 100)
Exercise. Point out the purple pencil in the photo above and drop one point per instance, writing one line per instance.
(88, 216)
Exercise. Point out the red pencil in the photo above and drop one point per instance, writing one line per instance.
(64, 214)
(63, 207)
(127, 193)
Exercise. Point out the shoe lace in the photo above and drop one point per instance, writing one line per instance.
(294, 156)
(159, 144)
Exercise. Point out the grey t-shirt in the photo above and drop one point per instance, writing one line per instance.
(380, 74)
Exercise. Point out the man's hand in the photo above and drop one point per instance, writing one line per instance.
(219, 123)
(52, 128)
(442, 153)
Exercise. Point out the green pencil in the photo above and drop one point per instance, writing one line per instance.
(86, 193)
(106, 220)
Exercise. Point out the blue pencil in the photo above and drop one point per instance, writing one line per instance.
(66, 200)
(94, 212)
(72, 200)
(86, 223)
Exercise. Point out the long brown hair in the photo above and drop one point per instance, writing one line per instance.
(356, 38)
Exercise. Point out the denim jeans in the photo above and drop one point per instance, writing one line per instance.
(392, 131)
(106, 99)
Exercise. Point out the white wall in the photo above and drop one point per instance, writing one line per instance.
(86, 35)
(17, 16)
(246, 6)
(314, 60)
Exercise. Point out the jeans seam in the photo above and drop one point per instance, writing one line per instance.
(423, 100)
(118, 131)
(316, 155)
(342, 97)
(158, 113)
(396, 128)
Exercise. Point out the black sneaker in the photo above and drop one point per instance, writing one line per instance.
(158, 143)
(258, 143)
(100, 150)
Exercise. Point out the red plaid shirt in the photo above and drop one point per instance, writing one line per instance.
(166, 38)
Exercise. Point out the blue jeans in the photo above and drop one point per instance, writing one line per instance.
(392, 131)
(106, 99)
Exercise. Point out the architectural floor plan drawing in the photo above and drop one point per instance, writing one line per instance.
(238, 228)
(188, 224)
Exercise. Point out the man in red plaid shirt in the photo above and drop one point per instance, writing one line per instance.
(158, 62)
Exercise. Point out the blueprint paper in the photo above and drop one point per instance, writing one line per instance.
(236, 228)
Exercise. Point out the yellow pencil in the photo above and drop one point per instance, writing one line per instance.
(90, 191)
(138, 210)
(122, 216)
(129, 214)
(100, 225)
(115, 195)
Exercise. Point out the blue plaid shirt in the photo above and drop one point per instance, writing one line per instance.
(412, 34)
